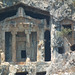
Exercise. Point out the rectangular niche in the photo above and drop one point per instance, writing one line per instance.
(22, 73)
(67, 26)
(41, 73)
(61, 50)
(70, 34)
(33, 42)
(8, 46)
(23, 53)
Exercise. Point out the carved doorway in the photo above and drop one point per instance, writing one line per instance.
(8, 47)
(47, 45)
(21, 47)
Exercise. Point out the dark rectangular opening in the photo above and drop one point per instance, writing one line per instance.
(8, 45)
(47, 45)
(22, 73)
(73, 47)
(67, 26)
(23, 54)
(41, 73)
(60, 50)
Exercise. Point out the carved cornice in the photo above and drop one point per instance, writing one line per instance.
(20, 19)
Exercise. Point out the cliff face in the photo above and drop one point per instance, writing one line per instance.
(63, 65)
(59, 9)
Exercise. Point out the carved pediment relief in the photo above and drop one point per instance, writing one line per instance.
(22, 19)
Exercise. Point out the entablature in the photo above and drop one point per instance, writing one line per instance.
(22, 19)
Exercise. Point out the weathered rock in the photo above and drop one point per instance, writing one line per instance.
(63, 64)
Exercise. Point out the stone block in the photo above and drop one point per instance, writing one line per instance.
(66, 73)
(12, 70)
(2, 57)
(27, 60)
(11, 74)
(72, 74)
(55, 74)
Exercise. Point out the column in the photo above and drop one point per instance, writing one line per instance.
(13, 46)
(28, 49)
(3, 44)
(28, 37)
(52, 39)
(3, 41)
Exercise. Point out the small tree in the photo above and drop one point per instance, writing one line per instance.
(64, 32)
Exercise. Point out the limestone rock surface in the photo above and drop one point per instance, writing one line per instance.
(63, 65)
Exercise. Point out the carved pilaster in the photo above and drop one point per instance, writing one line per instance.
(2, 57)
(28, 37)
(3, 40)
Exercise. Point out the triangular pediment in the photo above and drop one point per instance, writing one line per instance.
(22, 21)
(29, 10)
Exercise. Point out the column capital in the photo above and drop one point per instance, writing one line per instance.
(27, 31)
(13, 32)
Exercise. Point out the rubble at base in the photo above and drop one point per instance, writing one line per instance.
(63, 65)
(33, 32)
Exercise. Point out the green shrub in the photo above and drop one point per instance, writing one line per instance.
(64, 32)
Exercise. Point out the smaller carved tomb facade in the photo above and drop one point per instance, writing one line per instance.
(22, 73)
(70, 38)
(25, 33)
